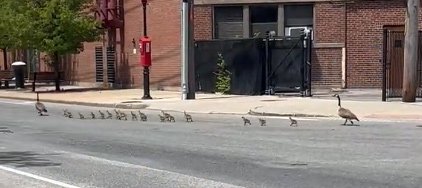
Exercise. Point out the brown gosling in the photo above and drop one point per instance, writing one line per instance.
(142, 116)
(118, 115)
(65, 113)
(263, 122)
(134, 117)
(162, 118)
(40, 107)
(123, 115)
(344, 112)
(109, 115)
(92, 115)
(246, 121)
(166, 115)
(81, 116)
(293, 122)
(102, 115)
(171, 118)
(188, 117)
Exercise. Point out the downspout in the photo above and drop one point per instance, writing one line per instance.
(344, 52)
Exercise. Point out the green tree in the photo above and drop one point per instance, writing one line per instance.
(61, 27)
(12, 25)
(55, 27)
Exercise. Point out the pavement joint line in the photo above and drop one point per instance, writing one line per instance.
(62, 184)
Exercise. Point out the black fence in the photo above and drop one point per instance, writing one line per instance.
(393, 65)
(258, 65)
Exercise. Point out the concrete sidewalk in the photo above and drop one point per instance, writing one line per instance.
(321, 105)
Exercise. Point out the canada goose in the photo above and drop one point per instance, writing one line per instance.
(65, 112)
(345, 113)
(263, 122)
(134, 117)
(142, 116)
(40, 106)
(188, 117)
(293, 122)
(246, 121)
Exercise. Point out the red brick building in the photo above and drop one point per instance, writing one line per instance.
(347, 37)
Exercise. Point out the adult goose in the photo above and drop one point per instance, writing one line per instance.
(40, 106)
(344, 112)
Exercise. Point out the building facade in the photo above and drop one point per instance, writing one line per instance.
(347, 37)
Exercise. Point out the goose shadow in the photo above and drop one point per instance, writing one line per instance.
(26, 159)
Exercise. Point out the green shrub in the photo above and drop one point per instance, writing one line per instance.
(223, 76)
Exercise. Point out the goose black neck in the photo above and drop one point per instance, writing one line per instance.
(339, 104)
(38, 99)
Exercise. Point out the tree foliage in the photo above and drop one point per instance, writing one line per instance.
(62, 26)
(51, 26)
(55, 27)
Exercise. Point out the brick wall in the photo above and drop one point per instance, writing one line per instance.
(364, 39)
(203, 22)
(329, 23)
(163, 19)
(326, 67)
(326, 61)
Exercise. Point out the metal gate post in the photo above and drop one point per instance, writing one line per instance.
(309, 62)
(384, 66)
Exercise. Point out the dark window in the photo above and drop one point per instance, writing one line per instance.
(297, 18)
(263, 19)
(228, 22)
(298, 15)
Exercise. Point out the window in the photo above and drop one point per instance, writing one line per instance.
(297, 18)
(228, 22)
(263, 19)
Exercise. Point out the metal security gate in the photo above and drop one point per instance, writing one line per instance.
(393, 64)
(288, 65)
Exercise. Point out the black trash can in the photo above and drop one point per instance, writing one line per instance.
(19, 71)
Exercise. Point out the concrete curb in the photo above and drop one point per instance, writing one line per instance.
(288, 114)
(118, 105)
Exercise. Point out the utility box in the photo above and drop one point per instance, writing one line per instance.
(19, 71)
(145, 47)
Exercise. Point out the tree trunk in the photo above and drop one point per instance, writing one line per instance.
(56, 70)
(5, 58)
(410, 51)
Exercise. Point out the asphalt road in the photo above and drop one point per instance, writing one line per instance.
(214, 151)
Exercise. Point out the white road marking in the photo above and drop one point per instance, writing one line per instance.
(191, 180)
(37, 177)
(19, 103)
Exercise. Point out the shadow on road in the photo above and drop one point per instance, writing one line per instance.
(25, 159)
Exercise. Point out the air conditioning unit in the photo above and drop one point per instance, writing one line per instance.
(296, 31)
